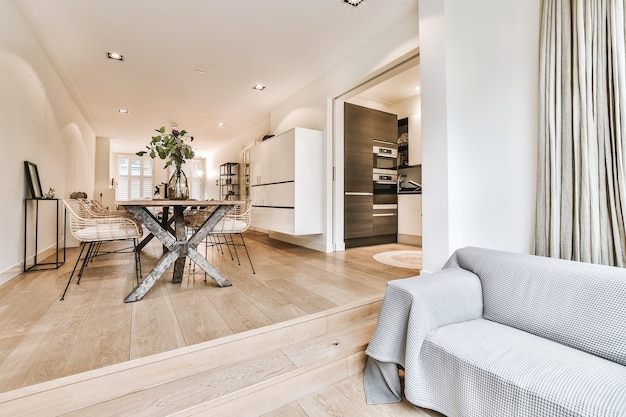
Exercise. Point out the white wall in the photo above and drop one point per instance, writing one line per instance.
(309, 108)
(233, 152)
(479, 124)
(40, 123)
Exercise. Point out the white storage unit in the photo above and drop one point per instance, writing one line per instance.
(410, 214)
(286, 182)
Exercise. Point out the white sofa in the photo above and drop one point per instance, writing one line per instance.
(497, 334)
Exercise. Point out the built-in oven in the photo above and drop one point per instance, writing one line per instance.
(385, 186)
(385, 156)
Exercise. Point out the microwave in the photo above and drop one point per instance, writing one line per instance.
(385, 157)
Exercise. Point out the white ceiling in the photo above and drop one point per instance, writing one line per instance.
(283, 44)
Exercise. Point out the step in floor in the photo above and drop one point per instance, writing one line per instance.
(247, 374)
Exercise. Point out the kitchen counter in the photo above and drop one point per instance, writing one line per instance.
(409, 191)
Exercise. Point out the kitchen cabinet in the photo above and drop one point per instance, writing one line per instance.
(362, 127)
(358, 210)
(409, 151)
(409, 218)
(286, 188)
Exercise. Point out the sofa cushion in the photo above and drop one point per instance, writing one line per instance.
(484, 369)
(577, 304)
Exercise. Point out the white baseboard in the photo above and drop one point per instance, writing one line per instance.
(410, 239)
(8, 274)
(295, 240)
(15, 270)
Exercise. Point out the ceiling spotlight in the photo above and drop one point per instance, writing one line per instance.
(221, 124)
(353, 2)
(259, 87)
(123, 111)
(115, 56)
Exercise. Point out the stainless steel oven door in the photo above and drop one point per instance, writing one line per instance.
(385, 191)
(385, 158)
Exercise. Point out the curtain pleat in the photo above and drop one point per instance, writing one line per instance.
(581, 188)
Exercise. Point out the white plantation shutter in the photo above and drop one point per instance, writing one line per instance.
(196, 179)
(134, 177)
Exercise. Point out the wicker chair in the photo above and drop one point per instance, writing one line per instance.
(235, 222)
(94, 229)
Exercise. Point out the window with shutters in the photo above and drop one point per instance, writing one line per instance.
(134, 177)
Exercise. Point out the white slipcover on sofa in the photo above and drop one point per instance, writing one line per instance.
(498, 334)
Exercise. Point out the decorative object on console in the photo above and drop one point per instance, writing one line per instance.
(49, 194)
(172, 146)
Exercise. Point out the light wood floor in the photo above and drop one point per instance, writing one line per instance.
(42, 338)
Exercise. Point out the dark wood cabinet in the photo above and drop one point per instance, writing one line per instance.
(358, 211)
(364, 128)
(385, 222)
(357, 149)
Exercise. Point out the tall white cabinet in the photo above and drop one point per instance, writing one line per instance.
(286, 182)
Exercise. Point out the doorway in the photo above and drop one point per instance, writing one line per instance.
(395, 89)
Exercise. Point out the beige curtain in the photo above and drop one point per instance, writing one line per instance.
(581, 195)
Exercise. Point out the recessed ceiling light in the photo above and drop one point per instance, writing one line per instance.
(353, 2)
(123, 111)
(200, 70)
(115, 56)
(221, 124)
(259, 87)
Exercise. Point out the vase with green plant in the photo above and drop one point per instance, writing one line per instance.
(173, 147)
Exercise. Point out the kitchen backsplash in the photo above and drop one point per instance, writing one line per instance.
(413, 173)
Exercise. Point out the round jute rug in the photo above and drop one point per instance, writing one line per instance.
(409, 259)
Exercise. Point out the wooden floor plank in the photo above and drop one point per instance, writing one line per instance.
(197, 317)
(104, 340)
(154, 327)
(200, 388)
(305, 299)
(290, 410)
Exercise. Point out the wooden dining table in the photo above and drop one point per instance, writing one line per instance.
(178, 245)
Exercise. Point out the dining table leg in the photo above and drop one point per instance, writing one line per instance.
(181, 239)
(178, 248)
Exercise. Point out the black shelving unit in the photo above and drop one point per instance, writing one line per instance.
(229, 181)
(403, 143)
(40, 266)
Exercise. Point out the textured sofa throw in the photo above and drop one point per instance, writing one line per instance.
(502, 334)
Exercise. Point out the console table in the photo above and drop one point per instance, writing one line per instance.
(39, 266)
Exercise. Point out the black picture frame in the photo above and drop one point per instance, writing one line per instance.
(32, 176)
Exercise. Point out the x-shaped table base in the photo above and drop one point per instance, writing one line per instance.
(178, 248)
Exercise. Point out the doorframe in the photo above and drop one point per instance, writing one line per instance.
(335, 109)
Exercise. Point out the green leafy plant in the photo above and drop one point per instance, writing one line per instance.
(170, 145)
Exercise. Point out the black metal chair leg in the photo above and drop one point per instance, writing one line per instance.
(247, 253)
(88, 257)
(73, 270)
